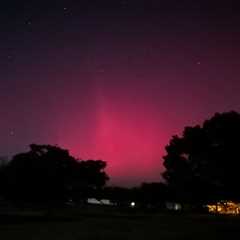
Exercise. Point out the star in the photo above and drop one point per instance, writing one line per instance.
(12, 133)
(9, 57)
(67, 11)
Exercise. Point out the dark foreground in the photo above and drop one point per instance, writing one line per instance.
(76, 224)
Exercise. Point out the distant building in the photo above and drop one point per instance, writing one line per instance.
(99, 202)
(224, 207)
(173, 206)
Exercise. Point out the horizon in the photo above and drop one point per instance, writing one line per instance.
(122, 183)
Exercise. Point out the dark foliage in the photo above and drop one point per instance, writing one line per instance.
(50, 174)
(153, 194)
(204, 163)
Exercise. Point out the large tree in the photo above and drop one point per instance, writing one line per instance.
(49, 173)
(203, 163)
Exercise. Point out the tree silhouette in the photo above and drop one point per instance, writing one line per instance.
(153, 194)
(50, 174)
(204, 163)
(3, 165)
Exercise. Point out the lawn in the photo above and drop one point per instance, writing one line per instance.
(104, 224)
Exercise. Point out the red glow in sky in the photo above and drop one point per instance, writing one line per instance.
(115, 81)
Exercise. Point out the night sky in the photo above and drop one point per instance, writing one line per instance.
(114, 80)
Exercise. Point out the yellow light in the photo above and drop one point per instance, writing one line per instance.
(224, 207)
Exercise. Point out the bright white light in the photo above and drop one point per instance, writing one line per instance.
(132, 204)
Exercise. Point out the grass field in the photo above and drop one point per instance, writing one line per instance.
(104, 224)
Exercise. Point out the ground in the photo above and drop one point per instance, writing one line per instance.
(104, 224)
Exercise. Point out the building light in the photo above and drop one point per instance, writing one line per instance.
(224, 207)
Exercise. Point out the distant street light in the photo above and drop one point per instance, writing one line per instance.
(132, 204)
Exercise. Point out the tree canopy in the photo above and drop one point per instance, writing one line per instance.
(203, 163)
(50, 173)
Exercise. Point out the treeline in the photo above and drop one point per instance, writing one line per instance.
(202, 165)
